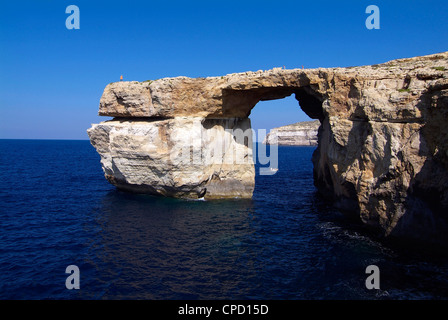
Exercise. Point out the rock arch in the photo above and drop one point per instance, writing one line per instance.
(382, 127)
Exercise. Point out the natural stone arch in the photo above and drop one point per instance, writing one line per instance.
(377, 132)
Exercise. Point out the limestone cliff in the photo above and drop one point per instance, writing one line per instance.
(176, 157)
(296, 134)
(382, 150)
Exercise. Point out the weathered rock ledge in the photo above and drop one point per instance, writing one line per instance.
(382, 150)
(296, 134)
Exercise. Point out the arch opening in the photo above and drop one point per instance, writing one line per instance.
(239, 103)
(293, 170)
(289, 117)
(270, 114)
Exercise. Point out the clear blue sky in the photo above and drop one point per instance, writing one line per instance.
(51, 78)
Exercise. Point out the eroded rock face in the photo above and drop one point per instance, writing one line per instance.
(296, 134)
(383, 139)
(383, 152)
(177, 157)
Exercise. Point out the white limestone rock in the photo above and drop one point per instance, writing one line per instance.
(177, 157)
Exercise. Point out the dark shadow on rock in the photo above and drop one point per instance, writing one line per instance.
(342, 194)
(426, 215)
(310, 102)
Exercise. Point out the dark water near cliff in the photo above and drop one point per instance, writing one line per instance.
(56, 209)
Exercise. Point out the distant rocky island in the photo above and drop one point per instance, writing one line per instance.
(296, 134)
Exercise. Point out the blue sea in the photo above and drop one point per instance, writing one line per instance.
(57, 209)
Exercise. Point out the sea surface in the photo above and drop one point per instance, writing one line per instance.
(57, 209)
